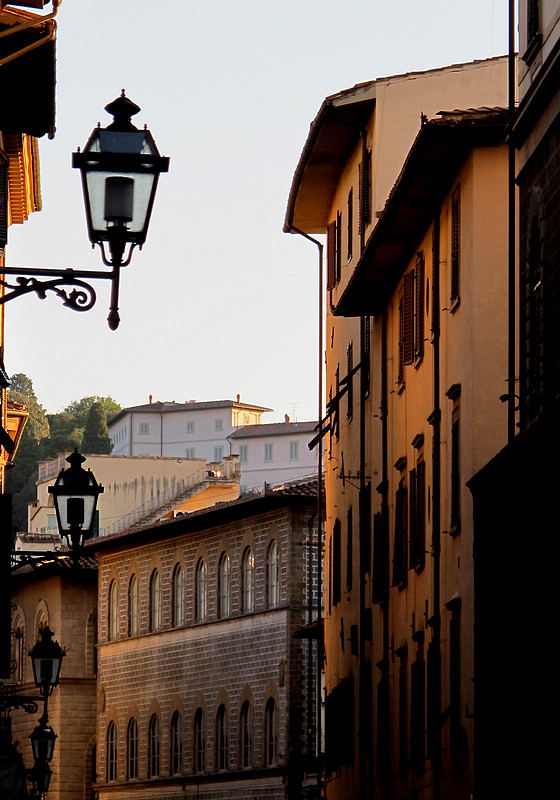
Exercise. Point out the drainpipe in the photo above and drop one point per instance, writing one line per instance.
(384, 770)
(435, 620)
(320, 510)
(511, 231)
(364, 526)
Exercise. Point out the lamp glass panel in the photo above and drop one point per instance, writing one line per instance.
(68, 505)
(143, 184)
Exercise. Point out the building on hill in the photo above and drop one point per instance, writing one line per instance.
(181, 430)
(413, 201)
(274, 453)
(138, 490)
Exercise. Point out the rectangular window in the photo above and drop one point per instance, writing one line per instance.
(243, 453)
(400, 545)
(269, 452)
(455, 242)
(143, 428)
(189, 452)
(294, 451)
(365, 371)
(417, 481)
(418, 713)
(336, 558)
(350, 225)
(349, 548)
(365, 193)
(190, 426)
(218, 424)
(411, 317)
(218, 453)
(455, 470)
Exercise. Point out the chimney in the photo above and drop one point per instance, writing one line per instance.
(151, 398)
(286, 418)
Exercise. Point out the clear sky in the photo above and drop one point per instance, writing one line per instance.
(219, 302)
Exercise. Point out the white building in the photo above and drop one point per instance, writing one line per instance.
(274, 453)
(181, 430)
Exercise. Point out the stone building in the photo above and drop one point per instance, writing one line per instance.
(50, 596)
(412, 200)
(203, 690)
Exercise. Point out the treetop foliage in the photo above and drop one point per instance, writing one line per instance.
(82, 424)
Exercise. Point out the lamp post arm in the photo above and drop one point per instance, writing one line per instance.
(82, 296)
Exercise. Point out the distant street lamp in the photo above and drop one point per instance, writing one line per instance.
(75, 494)
(120, 168)
(46, 657)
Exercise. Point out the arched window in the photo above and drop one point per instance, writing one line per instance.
(272, 575)
(246, 737)
(178, 597)
(224, 587)
(176, 745)
(112, 612)
(132, 750)
(270, 735)
(200, 591)
(112, 752)
(198, 741)
(18, 647)
(155, 602)
(133, 606)
(222, 738)
(248, 581)
(153, 747)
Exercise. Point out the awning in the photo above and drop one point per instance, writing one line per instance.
(27, 102)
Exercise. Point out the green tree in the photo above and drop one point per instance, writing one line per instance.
(21, 480)
(80, 408)
(96, 434)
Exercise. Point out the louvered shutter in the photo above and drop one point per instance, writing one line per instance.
(408, 318)
(3, 204)
(331, 254)
(419, 308)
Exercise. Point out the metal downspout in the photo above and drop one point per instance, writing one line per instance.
(512, 297)
(320, 513)
(435, 421)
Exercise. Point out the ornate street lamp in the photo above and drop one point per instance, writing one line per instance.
(75, 494)
(120, 168)
(46, 657)
(42, 743)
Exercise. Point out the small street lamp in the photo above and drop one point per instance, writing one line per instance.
(75, 494)
(46, 657)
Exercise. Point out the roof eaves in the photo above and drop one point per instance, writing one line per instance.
(438, 153)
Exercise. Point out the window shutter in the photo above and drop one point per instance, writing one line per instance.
(413, 518)
(419, 307)
(455, 242)
(331, 254)
(408, 318)
(3, 204)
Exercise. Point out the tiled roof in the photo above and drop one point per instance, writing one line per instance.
(302, 492)
(169, 407)
(273, 429)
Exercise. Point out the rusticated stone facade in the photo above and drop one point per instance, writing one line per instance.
(202, 688)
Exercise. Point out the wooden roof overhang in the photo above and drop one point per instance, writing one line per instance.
(438, 153)
(28, 79)
(332, 136)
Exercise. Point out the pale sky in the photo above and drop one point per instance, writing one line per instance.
(219, 302)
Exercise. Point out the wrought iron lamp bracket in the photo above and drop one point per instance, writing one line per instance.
(81, 297)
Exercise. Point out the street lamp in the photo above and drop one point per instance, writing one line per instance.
(46, 657)
(75, 494)
(120, 168)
